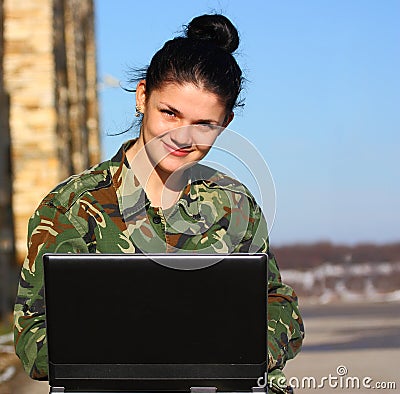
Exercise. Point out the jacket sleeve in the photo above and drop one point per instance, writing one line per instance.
(49, 231)
(285, 325)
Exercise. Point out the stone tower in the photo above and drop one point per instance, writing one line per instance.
(48, 97)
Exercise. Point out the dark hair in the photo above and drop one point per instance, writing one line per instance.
(203, 56)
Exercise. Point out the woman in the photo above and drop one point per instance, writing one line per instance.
(153, 196)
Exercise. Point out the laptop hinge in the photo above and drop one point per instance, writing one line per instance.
(203, 389)
(259, 389)
(57, 390)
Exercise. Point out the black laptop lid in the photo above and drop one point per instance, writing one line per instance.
(135, 323)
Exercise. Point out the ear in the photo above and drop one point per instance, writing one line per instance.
(228, 120)
(141, 95)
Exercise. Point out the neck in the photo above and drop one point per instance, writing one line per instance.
(162, 189)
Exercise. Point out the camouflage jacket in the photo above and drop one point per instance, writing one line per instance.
(105, 210)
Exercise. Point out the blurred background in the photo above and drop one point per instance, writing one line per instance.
(321, 106)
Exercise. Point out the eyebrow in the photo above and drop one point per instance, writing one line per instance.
(178, 112)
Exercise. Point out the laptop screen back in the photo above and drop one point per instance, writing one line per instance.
(133, 322)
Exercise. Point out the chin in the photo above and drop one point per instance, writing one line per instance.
(170, 166)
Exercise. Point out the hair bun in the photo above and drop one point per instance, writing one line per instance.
(215, 28)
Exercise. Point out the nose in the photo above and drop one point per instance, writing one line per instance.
(182, 137)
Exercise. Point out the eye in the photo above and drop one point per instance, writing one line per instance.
(208, 126)
(168, 113)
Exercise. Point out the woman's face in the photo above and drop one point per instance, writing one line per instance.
(180, 124)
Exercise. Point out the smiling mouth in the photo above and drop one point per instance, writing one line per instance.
(177, 151)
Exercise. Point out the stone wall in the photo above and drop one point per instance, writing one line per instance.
(7, 267)
(49, 71)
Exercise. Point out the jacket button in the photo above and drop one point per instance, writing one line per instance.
(157, 220)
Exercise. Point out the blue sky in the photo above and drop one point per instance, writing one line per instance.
(322, 103)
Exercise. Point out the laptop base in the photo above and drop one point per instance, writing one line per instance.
(204, 390)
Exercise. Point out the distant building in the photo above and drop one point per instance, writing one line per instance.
(49, 124)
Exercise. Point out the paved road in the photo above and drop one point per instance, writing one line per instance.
(362, 339)
(346, 344)
(22, 384)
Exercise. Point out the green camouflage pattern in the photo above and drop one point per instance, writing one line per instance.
(105, 210)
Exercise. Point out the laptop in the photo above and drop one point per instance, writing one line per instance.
(129, 323)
